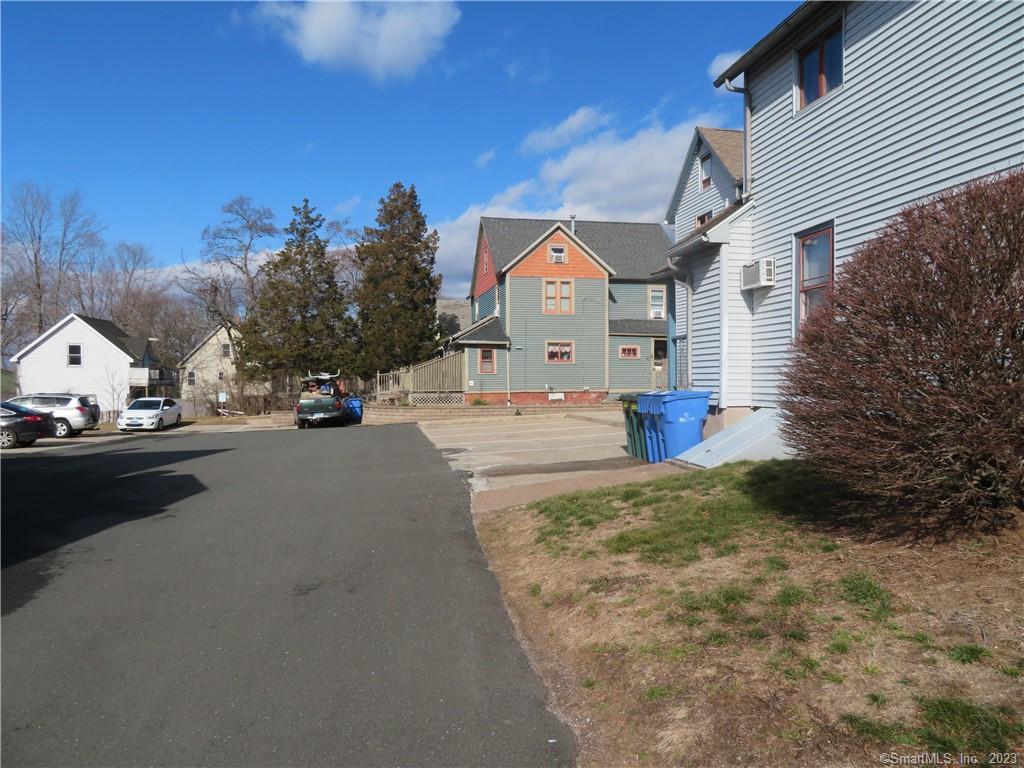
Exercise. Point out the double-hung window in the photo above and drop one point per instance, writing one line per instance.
(561, 351)
(225, 350)
(74, 354)
(657, 303)
(817, 268)
(821, 65)
(558, 297)
(190, 378)
(486, 362)
(705, 171)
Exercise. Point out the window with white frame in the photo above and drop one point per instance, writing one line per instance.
(561, 352)
(657, 303)
(225, 350)
(74, 354)
(817, 268)
(220, 375)
(557, 254)
(190, 378)
(705, 171)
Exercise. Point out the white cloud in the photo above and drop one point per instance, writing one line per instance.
(580, 123)
(610, 177)
(383, 39)
(722, 62)
(346, 206)
(484, 158)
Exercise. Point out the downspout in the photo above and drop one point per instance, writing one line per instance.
(508, 374)
(746, 134)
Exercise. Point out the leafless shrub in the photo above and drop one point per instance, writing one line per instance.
(908, 384)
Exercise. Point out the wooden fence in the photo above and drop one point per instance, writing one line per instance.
(441, 380)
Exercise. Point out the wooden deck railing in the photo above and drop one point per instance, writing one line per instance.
(441, 374)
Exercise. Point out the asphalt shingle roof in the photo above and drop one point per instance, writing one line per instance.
(637, 327)
(487, 331)
(728, 147)
(131, 345)
(633, 250)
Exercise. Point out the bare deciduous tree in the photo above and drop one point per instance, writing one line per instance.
(227, 283)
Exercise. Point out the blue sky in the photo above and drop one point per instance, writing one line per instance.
(161, 112)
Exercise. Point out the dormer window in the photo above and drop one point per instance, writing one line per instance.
(705, 171)
(556, 254)
(821, 65)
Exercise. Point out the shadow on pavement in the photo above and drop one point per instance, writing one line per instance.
(51, 501)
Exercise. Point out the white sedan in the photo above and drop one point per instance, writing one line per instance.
(153, 413)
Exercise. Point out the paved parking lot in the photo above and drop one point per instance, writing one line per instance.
(520, 450)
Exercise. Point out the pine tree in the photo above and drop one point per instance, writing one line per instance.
(301, 319)
(398, 293)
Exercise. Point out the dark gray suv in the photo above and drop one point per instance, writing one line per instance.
(72, 413)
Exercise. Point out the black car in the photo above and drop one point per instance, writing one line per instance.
(22, 426)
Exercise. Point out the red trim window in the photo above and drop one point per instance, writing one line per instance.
(561, 352)
(558, 297)
(705, 171)
(485, 364)
(631, 352)
(821, 65)
(817, 269)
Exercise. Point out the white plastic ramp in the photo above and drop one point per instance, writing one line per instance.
(754, 438)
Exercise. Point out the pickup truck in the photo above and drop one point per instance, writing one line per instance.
(334, 408)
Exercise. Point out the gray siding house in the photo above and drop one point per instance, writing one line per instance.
(566, 310)
(852, 112)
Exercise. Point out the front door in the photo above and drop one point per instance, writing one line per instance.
(659, 365)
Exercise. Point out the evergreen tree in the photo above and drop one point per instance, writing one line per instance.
(398, 293)
(301, 319)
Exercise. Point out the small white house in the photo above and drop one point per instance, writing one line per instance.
(90, 356)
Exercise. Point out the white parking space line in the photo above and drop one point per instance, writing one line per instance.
(544, 449)
(469, 445)
(491, 432)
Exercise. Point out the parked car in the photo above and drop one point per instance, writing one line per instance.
(320, 403)
(72, 413)
(23, 426)
(152, 413)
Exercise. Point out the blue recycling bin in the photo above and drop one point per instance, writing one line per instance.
(681, 420)
(355, 410)
(649, 407)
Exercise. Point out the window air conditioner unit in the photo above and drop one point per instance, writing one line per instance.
(760, 274)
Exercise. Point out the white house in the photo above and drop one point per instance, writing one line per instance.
(90, 356)
(852, 112)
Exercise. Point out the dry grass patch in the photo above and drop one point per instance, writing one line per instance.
(721, 617)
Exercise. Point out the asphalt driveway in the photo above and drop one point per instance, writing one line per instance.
(261, 598)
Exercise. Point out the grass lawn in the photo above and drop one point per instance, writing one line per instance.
(735, 616)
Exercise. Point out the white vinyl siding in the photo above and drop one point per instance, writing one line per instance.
(706, 338)
(931, 97)
(696, 200)
(103, 372)
(738, 313)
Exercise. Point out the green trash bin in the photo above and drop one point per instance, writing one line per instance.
(636, 445)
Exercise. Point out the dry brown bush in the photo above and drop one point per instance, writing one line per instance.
(908, 384)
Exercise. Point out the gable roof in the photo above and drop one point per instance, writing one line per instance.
(233, 334)
(631, 250)
(134, 347)
(706, 233)
(725, 143)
